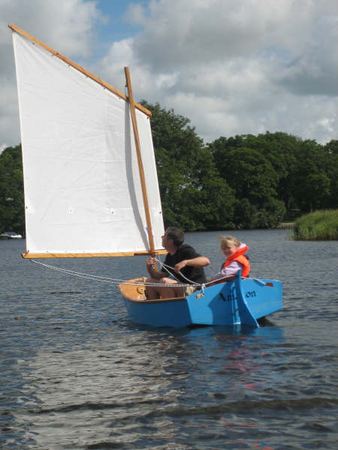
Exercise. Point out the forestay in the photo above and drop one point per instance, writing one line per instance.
(82, 185)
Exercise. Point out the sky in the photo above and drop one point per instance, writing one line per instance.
(230, 66)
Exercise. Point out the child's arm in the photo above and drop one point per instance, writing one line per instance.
(227, 273)
(231, 269)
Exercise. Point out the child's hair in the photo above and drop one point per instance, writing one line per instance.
(229, 240)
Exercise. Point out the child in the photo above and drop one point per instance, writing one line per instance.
(235, 251)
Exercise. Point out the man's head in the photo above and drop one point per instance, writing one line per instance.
(173, 234)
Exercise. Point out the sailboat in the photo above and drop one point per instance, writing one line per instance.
(91, 187)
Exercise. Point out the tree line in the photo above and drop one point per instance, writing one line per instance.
(240, 182)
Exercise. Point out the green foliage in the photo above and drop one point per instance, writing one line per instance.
(331, 170)
(304, 174)
(254, 180)
(280, 149)
(311, 183)
(249, 216)
(193, 194)
(11, 191)
(319, 225)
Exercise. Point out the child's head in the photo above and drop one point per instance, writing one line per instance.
(229, 244)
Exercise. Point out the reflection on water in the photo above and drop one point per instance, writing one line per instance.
(76, 374)
(141, 386)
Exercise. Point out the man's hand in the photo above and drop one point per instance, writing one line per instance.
(179, 266)
(151, 265)
(167, 280)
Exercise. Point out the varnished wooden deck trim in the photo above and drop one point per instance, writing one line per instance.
(135, 294)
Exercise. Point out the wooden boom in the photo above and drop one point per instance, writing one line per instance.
(29, 255)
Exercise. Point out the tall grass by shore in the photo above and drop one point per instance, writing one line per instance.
(317, 226)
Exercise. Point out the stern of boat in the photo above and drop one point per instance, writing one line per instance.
(172, 312)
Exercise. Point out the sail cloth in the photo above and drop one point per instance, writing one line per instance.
(81, 178)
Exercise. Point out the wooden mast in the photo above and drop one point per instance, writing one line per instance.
(139, 160)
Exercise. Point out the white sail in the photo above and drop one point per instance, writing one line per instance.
(82, 184)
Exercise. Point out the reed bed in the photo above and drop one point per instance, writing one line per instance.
(317, 226)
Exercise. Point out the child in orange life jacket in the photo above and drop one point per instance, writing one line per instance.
(235, 251)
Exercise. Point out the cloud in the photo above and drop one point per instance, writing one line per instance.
(66, 25)
(234, 67)
(315, 70)
(231, 66)
(183, 33)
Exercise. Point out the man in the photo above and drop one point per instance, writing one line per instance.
(181, 258)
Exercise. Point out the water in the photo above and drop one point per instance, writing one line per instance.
(76, 374)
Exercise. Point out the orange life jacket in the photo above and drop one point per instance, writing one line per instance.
(240, 257)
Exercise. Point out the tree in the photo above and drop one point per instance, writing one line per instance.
(311, 183)
(193, 194)
(254, 181)
(280, 149)
(243, 181)
(331, 153)
(11, 191)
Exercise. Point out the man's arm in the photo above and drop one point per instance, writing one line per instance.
(199, 261)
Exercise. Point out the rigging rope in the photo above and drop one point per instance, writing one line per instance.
(166, 267)
(102, 279)
(115, 281)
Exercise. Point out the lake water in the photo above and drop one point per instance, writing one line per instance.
(76, 374)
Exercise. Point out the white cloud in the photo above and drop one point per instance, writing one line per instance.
(66, 25)
(243, 66)
(231, 66)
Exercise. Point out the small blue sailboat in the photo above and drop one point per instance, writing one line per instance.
(91, 187)
(241, 301)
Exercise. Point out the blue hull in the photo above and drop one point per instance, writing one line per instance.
(238, 302)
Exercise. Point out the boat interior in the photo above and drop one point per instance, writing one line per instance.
(134, 290)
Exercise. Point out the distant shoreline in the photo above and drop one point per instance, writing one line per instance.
(286, 226)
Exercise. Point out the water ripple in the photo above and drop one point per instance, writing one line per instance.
(76, 374)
